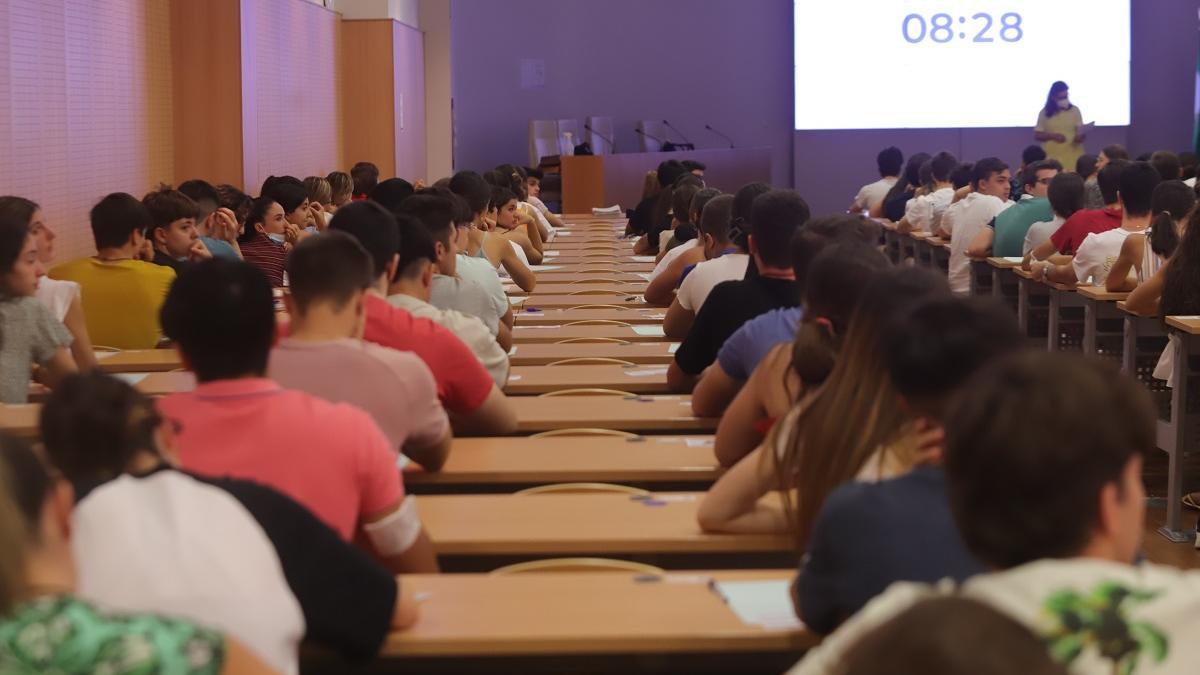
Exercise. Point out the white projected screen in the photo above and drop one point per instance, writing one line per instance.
(893, 64)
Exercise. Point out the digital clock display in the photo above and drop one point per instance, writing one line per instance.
(890, 64)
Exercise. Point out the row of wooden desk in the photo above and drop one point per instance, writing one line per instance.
(578, 621)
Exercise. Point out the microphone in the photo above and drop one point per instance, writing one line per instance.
(686, 144)
(639, 132)
(728, 139)
(611, 145)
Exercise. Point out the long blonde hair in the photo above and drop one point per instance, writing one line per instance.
(855, 414)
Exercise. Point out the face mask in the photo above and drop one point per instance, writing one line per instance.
(277, 238)
(1064, 104)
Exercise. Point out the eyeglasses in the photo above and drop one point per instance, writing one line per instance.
(1044, 181)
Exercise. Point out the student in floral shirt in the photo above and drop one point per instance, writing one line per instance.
(45, 629)
(1043, 463)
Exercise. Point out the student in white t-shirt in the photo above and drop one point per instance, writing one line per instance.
(891, 162)
(1056, 504)
(991, 184)
(1142, 256)
(664, 280)
(533, 190)
(1098, 252)
(924, 213)
(726, 259)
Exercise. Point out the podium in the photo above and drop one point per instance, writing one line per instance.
(595, 181)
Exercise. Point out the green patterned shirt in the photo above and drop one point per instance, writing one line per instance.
(64, 635)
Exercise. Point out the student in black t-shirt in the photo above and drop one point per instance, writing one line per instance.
(642, 220)
(173, 230)
(232, 554)
(774, 219)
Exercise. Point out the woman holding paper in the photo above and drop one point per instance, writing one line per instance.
(1060, 127)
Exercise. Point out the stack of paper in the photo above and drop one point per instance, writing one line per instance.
(760, 603)
(614, 212)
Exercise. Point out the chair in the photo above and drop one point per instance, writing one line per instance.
(650, 128)
(554, 433)
(587, 392)
(568, 136)
(601, 126)
(594, 341)
(599, 322)
(592, 361)
(583, 489)
(543, 140)
(552, 565)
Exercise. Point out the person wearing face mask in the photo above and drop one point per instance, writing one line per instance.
(268, 238)
(173, 230)
(1060, 127)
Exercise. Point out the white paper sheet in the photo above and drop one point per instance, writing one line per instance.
(1014, 259)
(518, 300)
(649, 331)
(760, 603)
(544, 268)
(100, 356)
(551, 254)
(131, 379)
(700, 442)
(673, 348)
(647, 372)
(642, 258)
(513, 350)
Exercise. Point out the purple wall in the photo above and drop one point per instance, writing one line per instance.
(726, 63)
(626, 59)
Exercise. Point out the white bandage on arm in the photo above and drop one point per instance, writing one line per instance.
(395, 533)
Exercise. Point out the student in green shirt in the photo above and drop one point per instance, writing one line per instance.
(1006, 236)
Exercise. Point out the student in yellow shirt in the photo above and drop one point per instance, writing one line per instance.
(121, 293)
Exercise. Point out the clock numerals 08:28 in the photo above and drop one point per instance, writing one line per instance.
(940, 28)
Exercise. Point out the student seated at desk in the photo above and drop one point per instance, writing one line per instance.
(218, 226)
(450, 291)
(965, 219)
(29, 334)
(1099, 251)
(330, 457)
(527, 214)
(62, 298)
(1049, 494)
(505, 223)
(233, 554)
(299, 211)
(712, 226)
(1063, 243)
(391, 193)
(1005, 235)
(46, 627)
(365, 176)
(341, 187)
(680, 216)
(646, 216)
(853, 426)
(319, 196)
(889, 160)
(1143, 255)
(897, 198)
(475, 404)
(727, 258)
(411, 289)
(924, 212)
(686, 234)
(121, 292)
(901, 528)
(173, 230)
(776, 217)
(466, 267)
(1066, 199)
(481, 243)
(533, 192)
(1095, 198)
(267, 238)
(788, 370)
(325, 355)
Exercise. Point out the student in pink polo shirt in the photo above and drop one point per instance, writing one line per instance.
(326, 356)
(331, 457)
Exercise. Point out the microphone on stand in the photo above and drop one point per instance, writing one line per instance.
(686, 144)
(662, 144)
(612, 146)
(727, 139)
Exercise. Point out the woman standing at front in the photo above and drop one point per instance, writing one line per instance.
(1060, 127)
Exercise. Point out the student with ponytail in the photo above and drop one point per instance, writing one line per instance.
(1171, 204)
(45, 627)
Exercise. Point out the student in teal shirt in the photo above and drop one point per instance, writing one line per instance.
(1006, 236)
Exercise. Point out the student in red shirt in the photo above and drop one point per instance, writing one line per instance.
(468, 393)
(1063, 243)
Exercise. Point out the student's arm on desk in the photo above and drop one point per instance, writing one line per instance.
(496, 417)
(981, 245)
(241, 661)
(399, 540)
(517, 270)
(734, 503)
(504, 336)
(1145, 298)
(431, 456)
(678, 381)
(714, 392)
(81, 346)
(660, 291)
(1061, 274)
(1119, 278)
(678, 321)
(58, 367)
(737, 434)
(508, 319)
